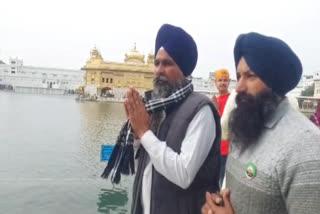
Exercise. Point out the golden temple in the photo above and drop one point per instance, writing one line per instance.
(104, 76)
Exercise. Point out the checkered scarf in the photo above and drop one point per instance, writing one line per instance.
(122, 157)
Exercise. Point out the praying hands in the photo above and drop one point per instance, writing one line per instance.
(136, 113)
(218, 205)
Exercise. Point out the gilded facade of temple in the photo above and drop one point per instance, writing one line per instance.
(104, 76)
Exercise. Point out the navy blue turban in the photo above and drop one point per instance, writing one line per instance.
(271, 59)
(179, 45)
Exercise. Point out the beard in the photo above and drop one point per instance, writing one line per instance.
(247, 120)
(163, 87)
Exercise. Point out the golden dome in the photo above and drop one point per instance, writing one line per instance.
(95, 57)
(134, 56)
(95, 54)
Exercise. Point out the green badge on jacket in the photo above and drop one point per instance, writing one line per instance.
(251, 170)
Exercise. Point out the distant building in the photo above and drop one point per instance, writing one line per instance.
(205, 86)
(306, 81)
(232, 84)
(30, 78)
(317, 85)
(208, 87)
(211, 75)
(103, 77)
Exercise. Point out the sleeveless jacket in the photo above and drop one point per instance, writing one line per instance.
(168, 198)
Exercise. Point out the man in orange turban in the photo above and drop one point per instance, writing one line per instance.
(222, 80)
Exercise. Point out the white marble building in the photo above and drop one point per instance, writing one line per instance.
(20, 76)
(208, 87)
(305, 81)
(203, 85)
(317, 85)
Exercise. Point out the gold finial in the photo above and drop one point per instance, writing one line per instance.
(133, 56)
(95, 54)
(135, 46)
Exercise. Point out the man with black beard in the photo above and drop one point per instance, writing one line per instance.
(273, 164)
(246, 122)
(179, 142)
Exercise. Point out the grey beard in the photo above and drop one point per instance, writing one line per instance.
(166, 89)
(161, 91)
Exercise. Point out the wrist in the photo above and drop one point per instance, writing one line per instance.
(141, 133)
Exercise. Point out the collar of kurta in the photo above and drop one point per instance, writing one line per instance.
(282, 108)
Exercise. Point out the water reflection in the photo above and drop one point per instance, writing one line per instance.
(112, 201)
(101, 121)
(50, 155)
(100, 125)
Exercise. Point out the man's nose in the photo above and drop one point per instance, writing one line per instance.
(241, 86)
(159, 70)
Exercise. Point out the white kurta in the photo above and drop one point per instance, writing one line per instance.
(181, 168)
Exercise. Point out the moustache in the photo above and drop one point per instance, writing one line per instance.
(160, 78)
(243, 98)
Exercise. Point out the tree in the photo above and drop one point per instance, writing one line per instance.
(309, 91)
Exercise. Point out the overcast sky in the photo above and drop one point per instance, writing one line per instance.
(61, 33)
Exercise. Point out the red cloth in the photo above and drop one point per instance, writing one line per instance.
(224, 147)
(222, 100)
(315, 118)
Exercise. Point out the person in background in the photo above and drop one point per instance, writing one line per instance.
(222, 81)
(273, 163)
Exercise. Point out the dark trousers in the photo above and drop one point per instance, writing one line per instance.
(223, 162)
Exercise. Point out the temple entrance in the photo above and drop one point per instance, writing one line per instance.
(106, 92)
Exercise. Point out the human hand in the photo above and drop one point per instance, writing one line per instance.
(136, 113)
(213, 201)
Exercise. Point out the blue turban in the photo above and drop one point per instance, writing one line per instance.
(271, 59)
(179, 45)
